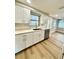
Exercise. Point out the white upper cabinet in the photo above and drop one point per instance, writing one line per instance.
(19, 14)
(27, 15)
(22, 15)
(44, 21)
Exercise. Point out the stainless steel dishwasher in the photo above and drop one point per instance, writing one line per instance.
(46, 34)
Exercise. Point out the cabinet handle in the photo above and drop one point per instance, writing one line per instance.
(24, 35)
(39, 34)
(24, 39)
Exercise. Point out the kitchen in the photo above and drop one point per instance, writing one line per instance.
(36, 30)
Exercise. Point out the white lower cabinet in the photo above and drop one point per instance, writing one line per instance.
(26, 40)
(35, 37)
(29, 39)
(38, 36)
(41, 35)
(19, 43)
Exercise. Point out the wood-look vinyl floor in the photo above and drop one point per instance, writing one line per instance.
(43, 50)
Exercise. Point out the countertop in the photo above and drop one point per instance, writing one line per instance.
(23, 31)
(61, 30)
(26, 31)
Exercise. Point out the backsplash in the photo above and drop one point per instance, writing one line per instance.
(22, 26)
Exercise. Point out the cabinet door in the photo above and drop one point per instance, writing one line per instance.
(26, 15)
(22, 15)
(38, 36)
(19, 43)
(41, 35)
(29, 39)
(19, 14)
(35, 40)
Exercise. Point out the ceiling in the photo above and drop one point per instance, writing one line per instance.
(51, 7)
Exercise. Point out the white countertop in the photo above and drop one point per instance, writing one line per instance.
(23, 31)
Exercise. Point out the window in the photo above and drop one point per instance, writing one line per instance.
(35, 20)
(60, 23)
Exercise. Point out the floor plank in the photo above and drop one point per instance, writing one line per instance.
(43, 50)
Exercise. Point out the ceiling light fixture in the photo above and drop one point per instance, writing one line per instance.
(56, 15)
(29, 1)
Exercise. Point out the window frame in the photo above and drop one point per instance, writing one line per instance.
(58, 21)
(38, 15)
